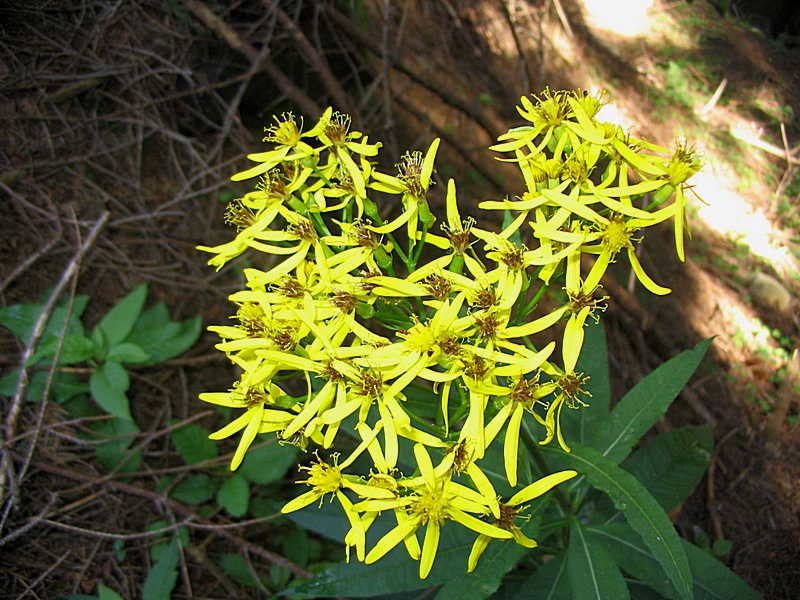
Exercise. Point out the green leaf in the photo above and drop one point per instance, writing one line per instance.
(162, 578)
(267, 463)
(106, 593)
(396, 572)
(642, 511)
(63, 387)
(593, 574)
(671, 464)
(74, 349)
(192, 443)
(645, 404)
(497, 560)
(108, 385)
(21, 318)
(581, 425)
(195, 489)
(549, 582)
(127, 352)
(234, 496)
(119, 321)
(237, 569)
(633, 556)
(113, 454)
(713, 580)
(162, 338)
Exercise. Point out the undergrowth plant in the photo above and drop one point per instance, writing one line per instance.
(72, 364)
(456, 420)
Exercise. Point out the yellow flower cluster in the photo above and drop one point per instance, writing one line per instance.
(345, 327)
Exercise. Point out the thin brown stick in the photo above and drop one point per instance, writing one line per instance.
(316, 60)
(196, 521)
(31, 346)
(235, 41)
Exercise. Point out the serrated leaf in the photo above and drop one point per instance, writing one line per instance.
(108, 385)
(234, 496)
(192, 443)
(126, 352)
(581, 425)
(267, 463)
(645, 404)
(641, 510)
(593, 574)
(634, 557)
(119, 321)
(195, 489)
(74, 349)
(671, 464)
(162, 578)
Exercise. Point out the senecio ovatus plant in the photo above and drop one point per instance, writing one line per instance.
(359, 308)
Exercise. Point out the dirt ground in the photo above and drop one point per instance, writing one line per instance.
(131, 117)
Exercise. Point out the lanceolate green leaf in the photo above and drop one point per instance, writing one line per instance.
(396, 572)
(593, 574)
(581, 425)
(632, 555)
(549, 582)
(642, 511)
(713, 580)
(671, 464)
(119, 321)
(644, 404)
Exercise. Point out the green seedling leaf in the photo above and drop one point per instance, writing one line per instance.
(633, 556)
(713, 580)
(234, 496)
(161, 338)
(645, 404)
(237, 569)
(641, 510)
(108, 385)
(113, 454)
(63, 387)
(195, 489)
(74, 349)
(21, 319)
(593, 574)
(192, 443)
(162, 578)
(267, 463)
(129, 353)
(100, 341)
(106, 593)
(119, 321)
